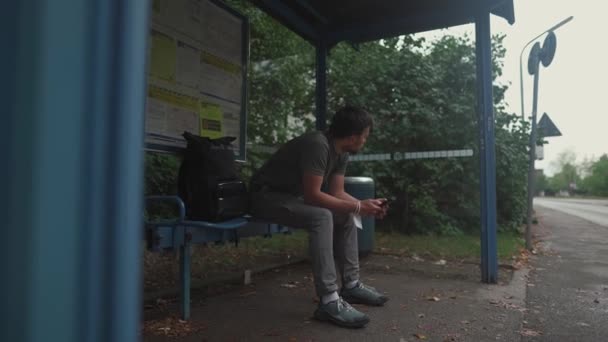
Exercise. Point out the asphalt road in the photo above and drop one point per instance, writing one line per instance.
(594, 210)
(567, 287)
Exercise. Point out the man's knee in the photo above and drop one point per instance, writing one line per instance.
(344, 220)
(323, 217)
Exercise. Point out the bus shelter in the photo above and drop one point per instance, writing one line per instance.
(73, 136)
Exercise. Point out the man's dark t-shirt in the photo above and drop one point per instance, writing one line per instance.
(311, 152)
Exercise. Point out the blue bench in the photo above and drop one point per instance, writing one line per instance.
(182, 233)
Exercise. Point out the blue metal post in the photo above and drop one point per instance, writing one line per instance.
(15, 255)
(72, 183)
(485, 108)
(321, 85)
(184, 278)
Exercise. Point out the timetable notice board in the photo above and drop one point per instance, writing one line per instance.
(197, 73)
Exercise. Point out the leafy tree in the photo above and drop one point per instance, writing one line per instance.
(423, 98)
(541, 183)
(597, 182)
(567, 179)
(565, 157)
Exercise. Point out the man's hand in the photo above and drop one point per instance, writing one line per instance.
(377, 207)
(384, 207)
(371, 207)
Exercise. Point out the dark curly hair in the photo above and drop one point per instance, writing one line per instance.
(350, 120)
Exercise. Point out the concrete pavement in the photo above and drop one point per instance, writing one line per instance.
(567, 295)
(428, 302)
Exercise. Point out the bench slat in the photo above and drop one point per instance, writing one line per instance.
(228, 224)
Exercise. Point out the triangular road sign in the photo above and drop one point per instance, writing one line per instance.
(546, 127)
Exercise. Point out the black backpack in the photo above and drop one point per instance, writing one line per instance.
(208, 182)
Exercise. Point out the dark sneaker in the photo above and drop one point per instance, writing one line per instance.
(341, 313)
(363, 294)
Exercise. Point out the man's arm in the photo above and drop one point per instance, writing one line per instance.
(311, 186)
(336, 188)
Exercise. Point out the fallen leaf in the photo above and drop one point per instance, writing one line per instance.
(172, 327)
(530, 332)
(451, 338)
(420, 336)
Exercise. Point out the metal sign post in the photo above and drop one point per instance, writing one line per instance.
(537, 56)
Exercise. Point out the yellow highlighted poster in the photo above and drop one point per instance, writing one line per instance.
(172, 97)
(197, 69)
(163, 57)
(170, 113)
(211, 120)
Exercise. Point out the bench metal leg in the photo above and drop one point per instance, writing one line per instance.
(184, 279)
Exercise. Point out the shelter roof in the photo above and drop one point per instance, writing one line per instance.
(334, 21)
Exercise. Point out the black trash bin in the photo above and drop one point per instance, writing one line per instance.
(363, 188)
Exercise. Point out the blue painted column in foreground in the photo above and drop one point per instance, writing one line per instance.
(321, 85)
(72, 171)
(487, 151)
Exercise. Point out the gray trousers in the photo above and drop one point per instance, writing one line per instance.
(330, 236)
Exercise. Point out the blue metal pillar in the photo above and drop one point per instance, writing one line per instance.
(321, 85)
(487, 151)
(72, 178)
(184, 278)
(15, 254)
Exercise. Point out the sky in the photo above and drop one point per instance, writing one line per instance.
(572, 89)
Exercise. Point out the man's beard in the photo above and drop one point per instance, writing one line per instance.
(353, 150)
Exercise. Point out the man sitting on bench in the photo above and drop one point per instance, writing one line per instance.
(288, 190)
